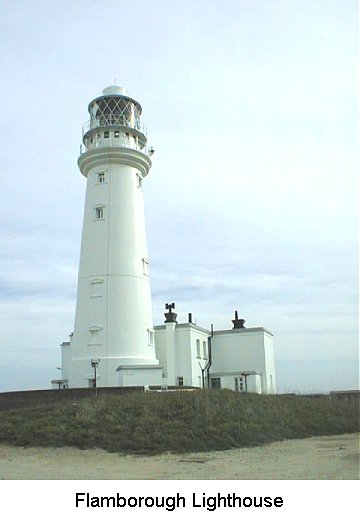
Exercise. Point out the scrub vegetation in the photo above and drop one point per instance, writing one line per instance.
(157, 422)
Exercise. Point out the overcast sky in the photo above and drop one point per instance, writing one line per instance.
(251, 203)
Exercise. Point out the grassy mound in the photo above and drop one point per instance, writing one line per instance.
(176, 421)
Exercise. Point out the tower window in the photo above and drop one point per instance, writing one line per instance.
(101, 177)
(180, 381)
(106, 135)
(96, 288)
(116, 133)
(99, 212)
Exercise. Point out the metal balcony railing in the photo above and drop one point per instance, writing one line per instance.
(116, 142)
(113, 120)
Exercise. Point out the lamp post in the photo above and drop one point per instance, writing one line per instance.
(94, 363)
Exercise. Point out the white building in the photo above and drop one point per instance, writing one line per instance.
(240, 359)
(114, 342)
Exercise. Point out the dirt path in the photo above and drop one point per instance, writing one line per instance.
(316, 458)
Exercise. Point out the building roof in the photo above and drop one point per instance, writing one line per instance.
(184, 326)
(243, 331)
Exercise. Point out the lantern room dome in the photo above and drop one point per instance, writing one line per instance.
(115, 90)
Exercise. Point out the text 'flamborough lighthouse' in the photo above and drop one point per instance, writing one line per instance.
(113, 321)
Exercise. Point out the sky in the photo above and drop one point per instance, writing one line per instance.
(251, 202)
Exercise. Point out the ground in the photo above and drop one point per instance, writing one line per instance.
(316, 458)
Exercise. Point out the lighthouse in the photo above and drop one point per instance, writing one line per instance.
(113, 343)
(113, 319)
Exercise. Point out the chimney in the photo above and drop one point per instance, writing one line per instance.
(170, 316)
(238, 324)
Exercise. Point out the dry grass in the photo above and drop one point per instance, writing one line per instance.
(175, 421)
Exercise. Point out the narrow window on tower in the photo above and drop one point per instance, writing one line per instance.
(101, 177)
(99, 212)
(96, 287)
(106, 135)
(116, 133)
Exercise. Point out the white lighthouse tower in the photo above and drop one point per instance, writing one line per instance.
(113, 321)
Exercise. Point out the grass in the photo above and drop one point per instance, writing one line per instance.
(150, 423)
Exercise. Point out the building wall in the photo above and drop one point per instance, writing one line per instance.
(245, 350)
(176, 349)
(250, 383)
(139, 376)
(269, 365)
(189, 362)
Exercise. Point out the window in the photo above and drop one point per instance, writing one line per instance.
(180, 381)
(101, 177)
(116, 133)
(106, 135)
(204, 350)
(94, 329)
(198, 348)
(96, 287)
(99, 213)
(239, 384)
